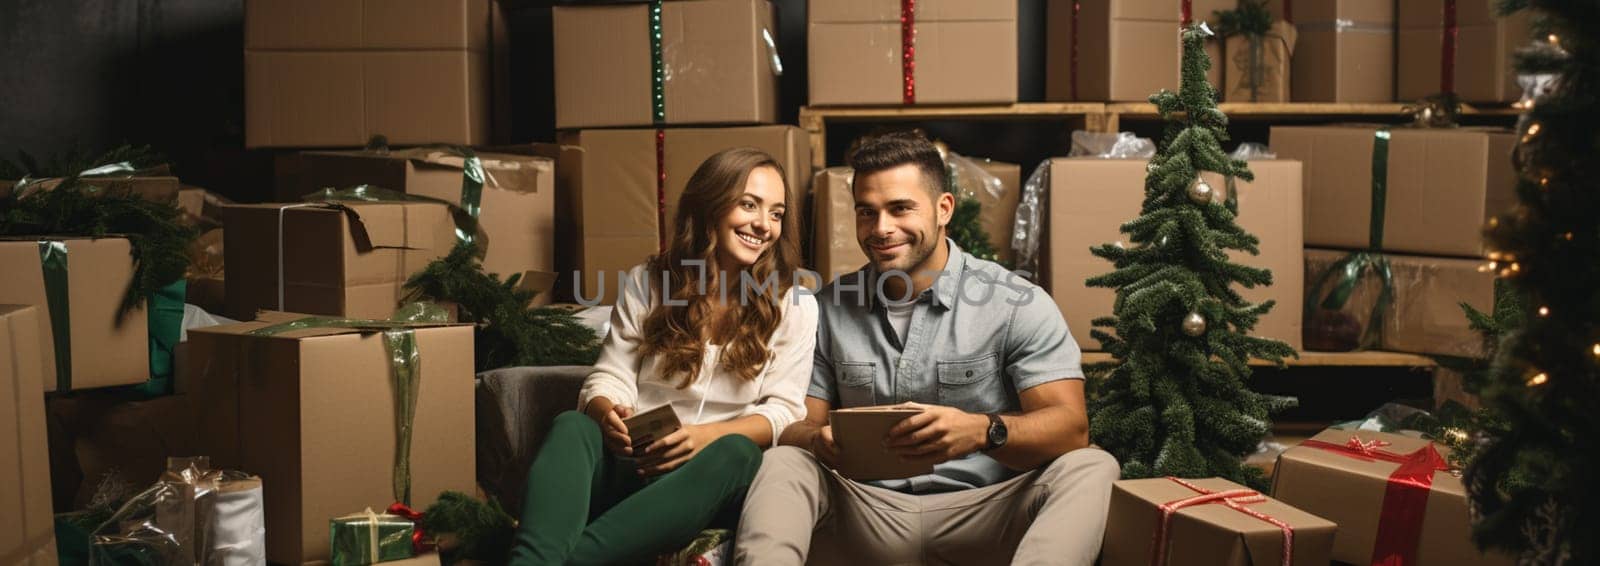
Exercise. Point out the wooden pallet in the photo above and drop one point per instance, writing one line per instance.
(1324, 359)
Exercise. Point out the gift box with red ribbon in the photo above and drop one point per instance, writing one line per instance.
(1395, 498)
(1459, 47)
(1212, 521)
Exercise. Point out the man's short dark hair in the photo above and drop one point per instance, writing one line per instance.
(878, 152)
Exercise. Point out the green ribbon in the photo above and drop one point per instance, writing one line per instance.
(658, 70)
(1255, 67)
(468, 230)
(53, 265)
(472, 180)
(164, 322)
(405, 363)
(1343, 275)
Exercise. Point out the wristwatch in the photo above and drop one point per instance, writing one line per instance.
(997, 432)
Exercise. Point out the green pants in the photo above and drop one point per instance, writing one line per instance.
(584, 505)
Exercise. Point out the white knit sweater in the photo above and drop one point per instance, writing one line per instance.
(778, 393)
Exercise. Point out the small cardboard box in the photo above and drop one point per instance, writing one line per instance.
(517, 202)
(609, 180)
(718, 64)
(1122, 51)
(1345, 50)
(1209, 534)
(964, 52)
(25, 481)
(312, 412)
(1424, 316)
(1443, 184)
(106, 346)
(344, 259)
(1486, 45)
(1091, 198)
(1350, 491)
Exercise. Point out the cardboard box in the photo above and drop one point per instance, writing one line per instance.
(346, 259)
(1207, 534)
(718, 67)
(1486, 45)
(312, 412)
(610, 184)
(835, 249)
(25, 481)
(334, 74)
(1424, 316)
(107, 346)
(965, 52)
(1091, 198)
(1258, 70)
(1442, 185)
(159, 188)
(1345, 51)
(1121, 51)
(1350, 491)
(517, 201)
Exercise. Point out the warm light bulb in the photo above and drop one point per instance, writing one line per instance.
(1597, 349)
(1552, 38)
(1544, 311)
(1539, 379)
(1516, 267)
(1544, 182)
(1568, 236)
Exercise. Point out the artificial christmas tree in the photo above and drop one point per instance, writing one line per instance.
(1532, 477)
(1176, 403)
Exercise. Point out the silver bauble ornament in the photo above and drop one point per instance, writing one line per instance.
(1194, 324)
(1200, 192)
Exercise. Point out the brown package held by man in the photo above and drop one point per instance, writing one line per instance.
(313, 413)
(719, 64)
(1121, 51)
(336, 73)
(1345, 50)
(1090, 199)
(1349, 489)
(610, 186)
(964, 53)
(517, 199)
(25, 479)
(1484, 68)
(347, 259)
(1423, 317)
(1258, 69)
(1443, 184)
(1211, 533)
(103, 346)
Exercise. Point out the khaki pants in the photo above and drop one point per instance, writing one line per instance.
(797, 511)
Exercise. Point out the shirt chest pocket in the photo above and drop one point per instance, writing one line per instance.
(972, 385)
(855, 383)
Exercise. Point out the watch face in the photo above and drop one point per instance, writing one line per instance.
(997, 434)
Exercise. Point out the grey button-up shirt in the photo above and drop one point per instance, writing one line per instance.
(978, 336)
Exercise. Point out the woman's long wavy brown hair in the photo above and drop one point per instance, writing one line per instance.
(673, 332)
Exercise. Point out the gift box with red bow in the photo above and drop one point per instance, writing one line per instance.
(1212, 521)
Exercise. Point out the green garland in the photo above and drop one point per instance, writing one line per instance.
(160, 239)
(1251, 18)
(966, 228)
(469, 530)
(509, 332)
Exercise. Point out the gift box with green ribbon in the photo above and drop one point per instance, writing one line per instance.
(367, 537)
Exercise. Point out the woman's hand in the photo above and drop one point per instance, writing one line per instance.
(612, 430)
(672, 450)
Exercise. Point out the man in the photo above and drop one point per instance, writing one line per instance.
(987, 357)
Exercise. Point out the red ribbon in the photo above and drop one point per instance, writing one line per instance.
(1188, 12)
(1073, 62)
(1235, 499)
(1405, 500)
(1447, 50)
(908, 50)
(419, 539)
(661, 190)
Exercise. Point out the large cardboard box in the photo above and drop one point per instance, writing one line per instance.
(346, 259)
(104, 345)
(1424, 316)
(719, 64)
(1486, 45)
(313, 413)
(1345, 50)
(1091, 198)
(1442, 185)
(336, 73)
(1211, 533)
(963, 53)
(517, 201)
(610, 179)
(1122, 51)
(29, 540)
(1350, 490)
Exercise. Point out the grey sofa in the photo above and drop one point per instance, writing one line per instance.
(515, 407)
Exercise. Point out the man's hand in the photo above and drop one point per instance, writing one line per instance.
(938, 433)
(612, 429)
(672, 450)
(823, 447)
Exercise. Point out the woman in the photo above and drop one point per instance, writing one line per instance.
(733, 366)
